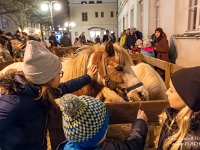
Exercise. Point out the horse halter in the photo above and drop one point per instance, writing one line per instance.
(108, 80)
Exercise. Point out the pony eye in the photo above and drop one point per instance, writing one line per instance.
(119, 68)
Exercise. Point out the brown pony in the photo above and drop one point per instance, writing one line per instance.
(116, 81)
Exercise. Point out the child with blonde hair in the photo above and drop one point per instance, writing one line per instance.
(147, 48)
(181, 121)
(138, 46)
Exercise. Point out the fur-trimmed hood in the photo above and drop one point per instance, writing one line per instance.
(16, 83)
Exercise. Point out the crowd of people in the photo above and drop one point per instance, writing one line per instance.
(13, 45)
(157, 47)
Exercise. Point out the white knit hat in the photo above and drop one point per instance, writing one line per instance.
(40, 65)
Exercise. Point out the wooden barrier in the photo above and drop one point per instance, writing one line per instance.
(125, 112)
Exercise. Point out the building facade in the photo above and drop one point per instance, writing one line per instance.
(180, 18)
(6, 24)
(93, 18)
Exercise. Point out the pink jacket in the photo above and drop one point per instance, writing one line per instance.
(148, 49)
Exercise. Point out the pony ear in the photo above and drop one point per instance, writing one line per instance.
(109, 48)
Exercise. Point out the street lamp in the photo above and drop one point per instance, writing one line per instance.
(45, 7)
(70, 25)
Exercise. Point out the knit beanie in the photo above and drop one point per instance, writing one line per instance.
(40, 65)
(159, 30)
(187, 84)
(85, 119)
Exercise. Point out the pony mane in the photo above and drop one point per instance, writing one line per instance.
(124, 57)
(77, 64)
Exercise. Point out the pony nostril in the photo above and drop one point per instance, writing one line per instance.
(141, 96)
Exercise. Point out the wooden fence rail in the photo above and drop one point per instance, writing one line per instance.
(119, 113)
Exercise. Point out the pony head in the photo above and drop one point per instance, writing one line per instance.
(114, 71)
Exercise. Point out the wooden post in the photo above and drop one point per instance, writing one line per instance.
(167, 74)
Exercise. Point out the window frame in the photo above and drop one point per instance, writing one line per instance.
(99, 2)
(102, 14)
(112, 14)
(96, 15)
(91, 2)
(5, 23)
(84, 19)
(197, 20)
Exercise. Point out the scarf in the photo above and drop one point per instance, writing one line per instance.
(72, 146)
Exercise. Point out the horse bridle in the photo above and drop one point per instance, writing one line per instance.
(108, 80)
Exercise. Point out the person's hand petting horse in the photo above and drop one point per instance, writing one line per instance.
(92, 71)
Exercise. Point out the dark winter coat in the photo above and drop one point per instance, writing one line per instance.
(130, 41)
(9, 47)
(189, 141)
(139, 34)
(97, 40)
(136, 140)
(82, 39)
(65, 41)
(106, 38)
(23, 119)
(53, 41)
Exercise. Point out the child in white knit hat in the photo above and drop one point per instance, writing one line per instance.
(85, 123)
(27, 97)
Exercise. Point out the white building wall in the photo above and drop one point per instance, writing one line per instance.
(167, 11)
(146, 20)
(152, 17)
(129, 4)
(180, 16)
(139, 19)
(107, 22)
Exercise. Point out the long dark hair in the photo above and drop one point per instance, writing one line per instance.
(9, 86)
(158, 39)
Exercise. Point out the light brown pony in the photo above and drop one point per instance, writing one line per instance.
(116, 81)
